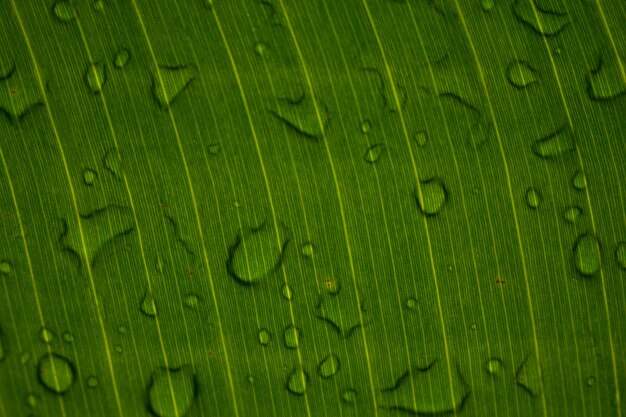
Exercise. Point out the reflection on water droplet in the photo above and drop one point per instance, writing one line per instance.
(46, 335)
(148, 305)
(297, 381)
(64, 11)
(286, 292)
(291, 336)
(366, 126)
(411, 303)
(579, 181)
(68, 337)
(56, 373)
(260, 48)
(5, 267)
(96, 77)
(92, 382)
(265, 337)
(171, 391)
(533, 198)
(214, 148)
(373, 153)
(520, 74)
(348, 396)
(494, 365)
(121, 58)
(572, 214)
(431, 196)
(32, 400)
(587, 255)
(421, 138)
(620, 255)
(591, 381)
(329, 366)
(89, 176)
(192, 300)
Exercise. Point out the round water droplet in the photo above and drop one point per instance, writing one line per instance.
(431, 196)
(348, 396)
(56, 373)
(286, 292)
(591, 381)
(46, 335)
(487, 5)
(520, 74)
(96, 77)
(68, 337)
(192, 300)
(64, 11)
(264, 337)
(366, 126)
(92, 382)
(307, 250)
(579, 181)
(291, 336)
(172, 391)
(411, 303)
(5, 267)
(421, 138)
(25, 357)
(148, 305)
(572, 214)
(214, 148)
(121, 58)
(32, 400)
(329, 366)
(620, 255)
(89, 176)
(118, 348)
(260, 48)
(587, 255)
(494, 365)
(296, 382)
(533, 198)
(373, 153)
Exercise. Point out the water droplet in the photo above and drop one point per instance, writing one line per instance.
(339, 310)
(542, 22)
(64, 11)
(587, 255)
(121, 330)
(373, 153)
(348, 396)
(192, 300)
(56, 373)
(421, 138)
(427, 391)
(260, 48)
(113, 163)
(250, 379)
(411, 303)
(591, 381)
(68, 337)
(366, 126)
(296, 382)
(170, 82)
(533, 198)
(96, 77)
(579, 181)
(555, 144)
(264, 337)
(572, 213)
(329, 366)
(620, 255)
(494, 365)
(19, 93)
(291, 336)
(255, 254)
(307, 250)
(431, 196)
(89, 176)
(121, 58)
(306, 115)
(158, 263)
(528, 376)
(5, 267)
(118, 348)
(32, 400)
(24, 357)
(520, 74)
(605, 82)
(172, 390)
(92, 382)
(214, 148)
(98, 6)
(473, 326)
(148, 305)
(46, 335)
(487, 5)
(286, 292)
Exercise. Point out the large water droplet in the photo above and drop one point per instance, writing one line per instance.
(172, 391)
(373, 153)
(329, 366)
(620, 255)
(170, 81)
(255, 254)
(431, 196)
(528, 376)
(543, 22)
(96, 77)
(121, 58)
(306, 115)
(520, 74)
(572, 214)
(264, 337)
(533, 198)
(555, 144)
(494, 366)
(587, 255)
(148, 305)
(579, 181)
(297, 381)
(64, 11)
(56, 373)
(291, 336)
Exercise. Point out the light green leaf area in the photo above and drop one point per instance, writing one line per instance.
(235, 208)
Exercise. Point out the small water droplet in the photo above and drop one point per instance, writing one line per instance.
(5, 267)
(192, 300)
(89, 176)
(306, 115)
(411, 303)
(121, 330)
(533, 198)
(579, 181)
(555, 144)
(264, 337)
(170, 82)
(620, 255)
(148, 305)
(98, 6)
(286, 292)
(172, 391)
(118, 348)
(158, 263)
(121, 58)
(113, 163)
(329, 366)
(366, 126)
(587, 255)
(473, 326)
(68, 337)
(591, 381)
(260, 48)
(528, 376)
(32, 400)
(56, 373)
(96, 77)
(236, 203)
(92, 382)
(291, 336)
(494, 365)
(64, 11)
(520, 74)
(214, 148)
(373, 153)
(46, 335)
(297, 381)
(250, 379)
(487, 5)
(421, 138)
(307, 250)
(24, 357)
(431, 196)
(348, 396)
(572, 214)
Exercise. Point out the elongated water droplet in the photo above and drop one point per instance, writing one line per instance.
(264, 337)
(572, 214)
(579, 181)
(148, 305)
(431, 196)
(113, 163)
(533, 198)
(494, 365)
(587, 255)
(121, 58)
(170, 82)
(56, 373)
(373, 153)
(96, 77)
(542, 22)
(329, 366)
(421, 138)
(172, 391)
(291, 336)
(158, 263)
(89, 176)
(286, 292)
(620, 255)
(528, 376)
(64, 11)
(520, 74)
(555, 144)
(46, 335)
(297, 381)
